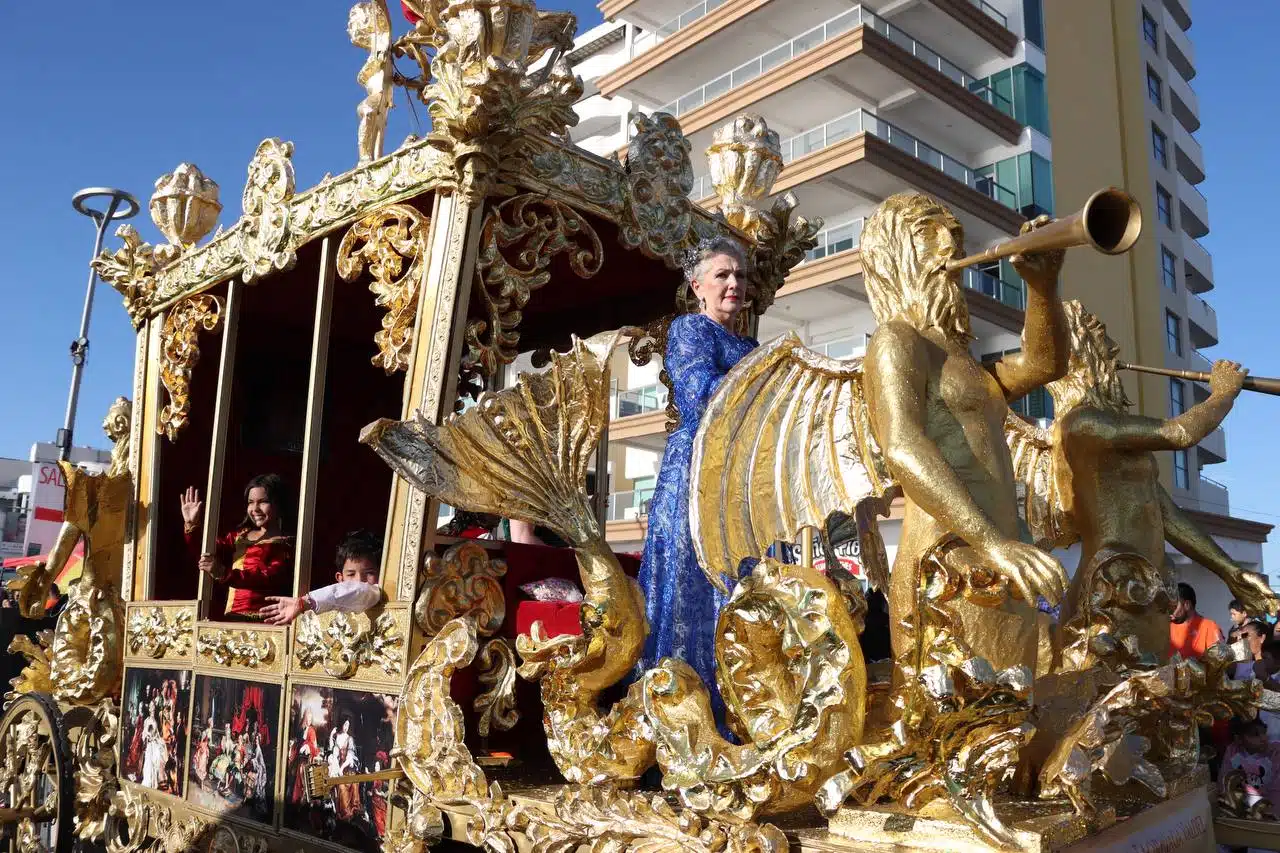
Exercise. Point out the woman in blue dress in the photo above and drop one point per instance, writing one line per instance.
(681, 604)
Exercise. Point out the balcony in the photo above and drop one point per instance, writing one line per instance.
(1188, 154)
(1183, 102)
(697, 12)
(1008, 291)
(840, 238)
(819, 35)
(640, 401)
(1177, 47)
(1181, 12)
(1198, 264)
(628, 506)
(1199, 361)
(1203, 322)
(1212, 496)
(991, 12)
(1213, 450)
(1193, 209)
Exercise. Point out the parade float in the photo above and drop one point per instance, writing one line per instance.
(377, 313)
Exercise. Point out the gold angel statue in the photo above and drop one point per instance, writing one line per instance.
(1092, 476)
(84, 664)
(369, 27)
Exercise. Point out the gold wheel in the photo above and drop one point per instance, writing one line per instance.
(36, 779)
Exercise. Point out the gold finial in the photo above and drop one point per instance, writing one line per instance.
(745, 159)
(185, 205)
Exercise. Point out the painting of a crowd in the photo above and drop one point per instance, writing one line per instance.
(233, 758)
(154, 728)
(352, 732)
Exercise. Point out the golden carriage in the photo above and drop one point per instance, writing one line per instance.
(404, 287)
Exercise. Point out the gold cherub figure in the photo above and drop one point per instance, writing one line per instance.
(369, 27)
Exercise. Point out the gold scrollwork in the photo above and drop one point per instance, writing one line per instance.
(152, 634)
(464, 581)
(264, 235)
(93, 734)
(180, 353)
(384, 240)
(350, 642)
(496, 704)
(131, 270)
(236, 648)
(137, 824)
(658, 215)
(520, 238)
(35, 771)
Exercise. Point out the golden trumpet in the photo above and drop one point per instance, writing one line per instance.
(1261, 384)
(1110, 221)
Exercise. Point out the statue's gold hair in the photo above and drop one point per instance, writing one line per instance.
(905, 246)
(117, 425)
(1092, 376)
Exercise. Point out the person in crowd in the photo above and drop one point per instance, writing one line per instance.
(1253, 753)
(1237, 616)
(681, 604)
(255, 560)
(1253, 633)
(1190, 634)
(355, 589)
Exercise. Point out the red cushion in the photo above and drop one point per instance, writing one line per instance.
(557, 617)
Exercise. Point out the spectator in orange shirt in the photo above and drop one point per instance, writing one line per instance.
(1190, 634)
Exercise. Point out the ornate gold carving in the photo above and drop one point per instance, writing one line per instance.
(131, 270)
(658, 215)
(643, 347)
(265, 235)
(496, 704)
(137, 824)
(228, 647)
(93, 734)
(485, 105)
(781, 241)
(185, 206)
(384, 240)
(344, 643)
(369, 27)
(745, 159)
(464, 581)
(521, 237)
(83, 662)
(151, 633)
(181, 352)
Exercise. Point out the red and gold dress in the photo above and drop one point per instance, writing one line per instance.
(257, 569)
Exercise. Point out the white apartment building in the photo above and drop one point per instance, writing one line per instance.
(947, 97)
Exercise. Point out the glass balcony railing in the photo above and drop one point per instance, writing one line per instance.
(824, 32)
(644, 41)
(840, 238)
(1008, 292)
(843, 348)
(625, 506)
(864, 121)
(992, 12)
(640, 401)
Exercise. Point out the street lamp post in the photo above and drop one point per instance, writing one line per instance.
(119, 206)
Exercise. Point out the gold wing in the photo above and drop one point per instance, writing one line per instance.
(1047, 515)
(785, 441)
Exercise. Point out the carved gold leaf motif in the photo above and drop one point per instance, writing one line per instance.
(242, 648)
(349, 642)
(464, 581)
(152, 634)
(180, 354)
(496, 703)
(384, 241)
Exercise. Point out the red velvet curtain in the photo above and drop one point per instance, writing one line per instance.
(252, 699)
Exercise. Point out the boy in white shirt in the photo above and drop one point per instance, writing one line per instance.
(356, 590)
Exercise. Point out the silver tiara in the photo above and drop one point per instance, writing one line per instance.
(707, 246)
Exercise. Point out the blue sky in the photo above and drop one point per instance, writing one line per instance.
(118, 93)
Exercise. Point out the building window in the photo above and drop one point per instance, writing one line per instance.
(1177, 398)
(1159, 146)
(1164, 206)
(1181, 477)
(1173, 332)
(1033, 22)
(1150, 31)
(1155, 89)
(1168, 269)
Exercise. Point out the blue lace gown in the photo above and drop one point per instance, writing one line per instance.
(680, 603)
